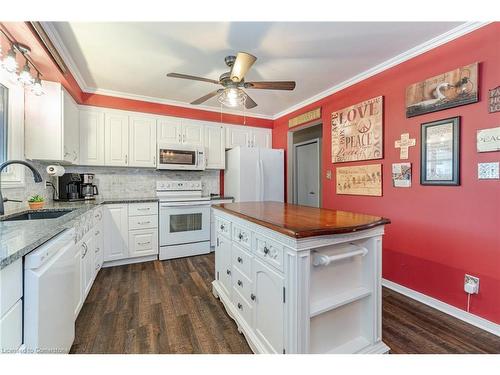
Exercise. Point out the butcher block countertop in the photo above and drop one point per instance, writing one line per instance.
(301, 221)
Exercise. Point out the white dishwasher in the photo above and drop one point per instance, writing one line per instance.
(49, 325)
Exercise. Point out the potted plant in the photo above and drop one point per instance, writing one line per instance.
(36, 202)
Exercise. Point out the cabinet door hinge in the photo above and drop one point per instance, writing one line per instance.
(284, 299)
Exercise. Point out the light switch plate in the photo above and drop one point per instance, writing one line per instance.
(488, 171)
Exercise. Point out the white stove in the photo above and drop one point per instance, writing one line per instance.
(184, 219)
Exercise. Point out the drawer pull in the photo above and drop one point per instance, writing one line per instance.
(240, 260)
(266, 250)
(240, 236)
(240, 306)
(240, 283)
(228, 272)
(222, 227)
(252, 297)
(143, 222)
(144, 243)
(143, 209)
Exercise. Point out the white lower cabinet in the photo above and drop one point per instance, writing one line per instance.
(78, 281)
(11, 307)
(269, 300)
(130, 232)
(88, 270)
(223, 263)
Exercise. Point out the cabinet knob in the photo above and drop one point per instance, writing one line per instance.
(222, 227)
(266, 250)
(240, 306)
(228, 272)
(240, 283)
(240, 236)
(240, 260)
(252, 297)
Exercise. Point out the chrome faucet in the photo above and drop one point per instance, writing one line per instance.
(36, 176)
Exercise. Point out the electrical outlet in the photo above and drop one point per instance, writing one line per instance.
(471, 284)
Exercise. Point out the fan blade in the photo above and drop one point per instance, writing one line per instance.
(194, 78)
(276, 85)
(206, 97)
(249, 102)
(242, 64)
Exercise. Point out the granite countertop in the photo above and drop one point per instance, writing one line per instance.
(301, 221)
(18, 238)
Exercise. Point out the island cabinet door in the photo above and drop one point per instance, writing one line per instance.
(223, 263)
(269, 303)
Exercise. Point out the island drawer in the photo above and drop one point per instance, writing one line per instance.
(143, 222)
(269, 250)
(243, 307)
(223, 227)
(242, 260)
(140, 209)
(242, 236)
(242, 284)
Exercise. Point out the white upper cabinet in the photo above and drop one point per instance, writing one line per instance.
(142, 139)
(91, 137)
(51, 125)
(215, 147)
(261, 138)
(237, 136)
(169, 130)
(192, 132)
(116, 128)
(245, 136)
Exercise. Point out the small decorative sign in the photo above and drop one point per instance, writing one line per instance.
(401, 175)
(360, 180)
(357, 132)
(309, 116)
(447, 90)
(403, 144)
(494, 100)
(488, 171)
(488, 140)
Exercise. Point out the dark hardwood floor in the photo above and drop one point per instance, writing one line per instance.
(168, 307)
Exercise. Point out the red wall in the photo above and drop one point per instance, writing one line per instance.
(437, 234)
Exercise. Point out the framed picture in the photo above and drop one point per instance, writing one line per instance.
(451, 89)
(401, 175)
(360, 180)
(440, 152)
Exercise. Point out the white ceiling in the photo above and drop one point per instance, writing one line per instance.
(130, 59)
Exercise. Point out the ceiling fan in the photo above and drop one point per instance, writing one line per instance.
(233, 82)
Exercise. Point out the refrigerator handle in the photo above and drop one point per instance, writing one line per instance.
(261, 174)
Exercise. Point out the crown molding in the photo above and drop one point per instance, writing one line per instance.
(448, 36)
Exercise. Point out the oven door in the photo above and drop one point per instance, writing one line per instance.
(184, 222)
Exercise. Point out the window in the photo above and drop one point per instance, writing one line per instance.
(4, 94)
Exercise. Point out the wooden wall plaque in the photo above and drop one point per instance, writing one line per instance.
(303, 118)
(360, 180)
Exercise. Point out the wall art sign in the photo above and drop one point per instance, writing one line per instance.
(488, 171)
(439, 156)
(360, 180)
(403, 144)
(488, 140)
(309, 116)
(401, 175)
(357, 132)
(451, 89)
(494, 100)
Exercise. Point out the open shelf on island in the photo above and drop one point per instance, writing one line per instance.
(352, 346)
(338, 300)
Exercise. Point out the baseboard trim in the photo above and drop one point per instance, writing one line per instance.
(475, 320)
(122, 262)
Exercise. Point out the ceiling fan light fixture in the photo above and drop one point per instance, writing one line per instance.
(232, 97)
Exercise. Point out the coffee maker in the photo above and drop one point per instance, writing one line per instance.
(69, 187)
(76, 187)
(87, 188)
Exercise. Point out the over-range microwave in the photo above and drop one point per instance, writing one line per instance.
(184, 157)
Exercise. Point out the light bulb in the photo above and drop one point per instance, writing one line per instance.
(25, 76)
(9, 63)
(37, 86)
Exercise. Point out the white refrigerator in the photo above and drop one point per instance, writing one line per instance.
(254, 174)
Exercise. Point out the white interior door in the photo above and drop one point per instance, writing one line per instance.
(307, 184)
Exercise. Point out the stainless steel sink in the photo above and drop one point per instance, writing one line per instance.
(36, 215)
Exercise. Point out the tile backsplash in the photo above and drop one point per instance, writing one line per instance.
(112, 182)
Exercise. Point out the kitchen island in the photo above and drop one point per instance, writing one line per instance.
(300, 279)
